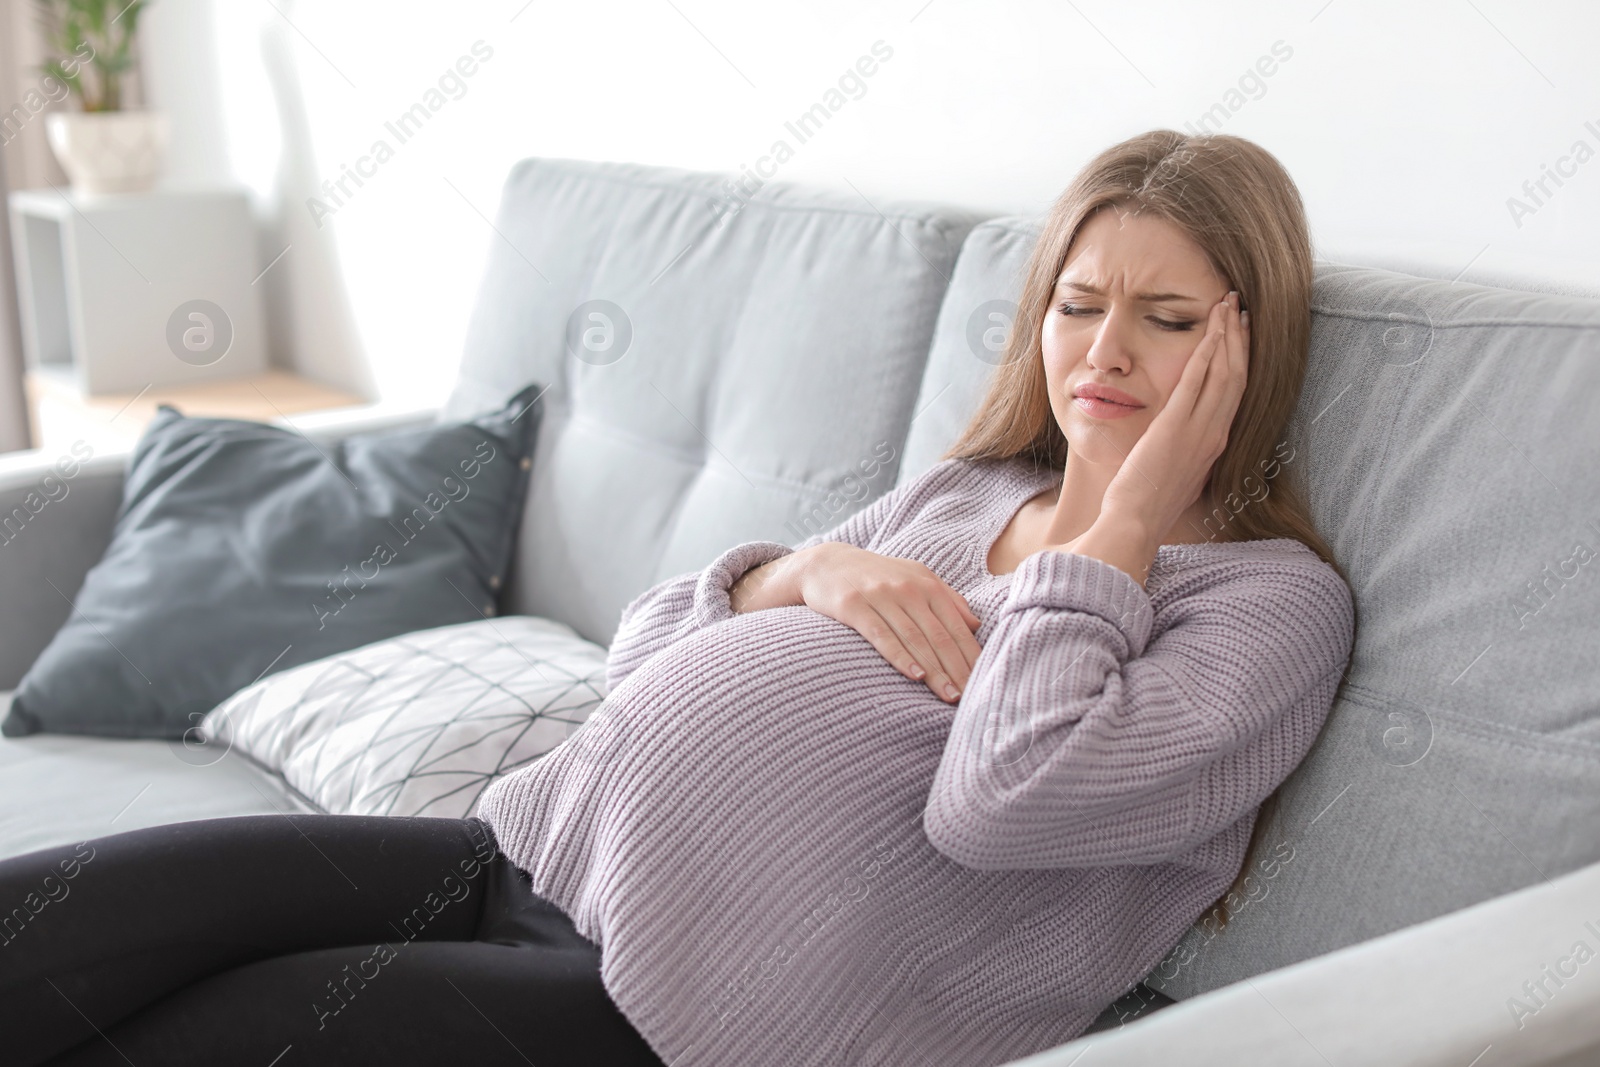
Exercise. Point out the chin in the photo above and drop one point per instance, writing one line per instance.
(1110, 449)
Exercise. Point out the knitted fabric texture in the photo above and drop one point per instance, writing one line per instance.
(790, 853)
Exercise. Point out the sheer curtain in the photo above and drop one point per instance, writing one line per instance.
(23, 136)
(26, 162)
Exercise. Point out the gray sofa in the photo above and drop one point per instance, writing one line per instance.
(721, 373)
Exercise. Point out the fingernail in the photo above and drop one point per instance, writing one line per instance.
(951, 691)
(917, 671)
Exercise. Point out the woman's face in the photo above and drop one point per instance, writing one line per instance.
(1129, 308)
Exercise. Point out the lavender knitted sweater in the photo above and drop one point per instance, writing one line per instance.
(791, 854)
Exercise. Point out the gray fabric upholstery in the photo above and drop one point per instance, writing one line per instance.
(1487, 275)
(68, 535)
(56, 789)
(769, 359)
(1450, 992)
(241, 549)
(988, 277)
(44, 554)
(1447, 439)
(754, 366)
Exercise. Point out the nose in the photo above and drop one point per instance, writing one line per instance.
(1108, 352)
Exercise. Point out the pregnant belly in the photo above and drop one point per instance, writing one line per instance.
(765, 766)
(781, 685)
(780, 726)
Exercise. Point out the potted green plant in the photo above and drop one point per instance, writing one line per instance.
(102, 147)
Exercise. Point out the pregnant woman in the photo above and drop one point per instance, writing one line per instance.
(935, 786)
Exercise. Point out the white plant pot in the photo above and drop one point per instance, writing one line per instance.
(109, 151)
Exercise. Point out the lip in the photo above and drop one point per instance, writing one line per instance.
(1104, 402)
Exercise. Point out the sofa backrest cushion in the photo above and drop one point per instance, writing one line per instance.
(1446, 439)
(969, 341)
(722, 368)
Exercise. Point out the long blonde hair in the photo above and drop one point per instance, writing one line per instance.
(1236, 201)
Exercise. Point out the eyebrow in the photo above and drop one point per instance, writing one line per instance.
(1084, 287)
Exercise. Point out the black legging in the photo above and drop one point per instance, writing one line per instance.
(287, 940)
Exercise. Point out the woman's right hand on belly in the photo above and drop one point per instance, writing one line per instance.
(918, 623)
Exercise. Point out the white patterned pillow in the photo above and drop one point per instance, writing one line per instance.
(419, 724)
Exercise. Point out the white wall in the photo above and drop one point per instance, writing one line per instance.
(1408, 125)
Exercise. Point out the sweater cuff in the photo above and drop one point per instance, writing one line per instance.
(1067, 581)
(711, 603)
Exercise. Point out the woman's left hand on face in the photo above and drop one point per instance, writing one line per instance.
(1168, 466)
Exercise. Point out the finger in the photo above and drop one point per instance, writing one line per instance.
(955, 626)
(1188, 390)
(1217, 390)
(1238, 356)
(1239, 359)
(967, 616)
(1243, 368)
(952, 660)
(1238, 341)
(1224, 387)
(863, 616)
(915, 638)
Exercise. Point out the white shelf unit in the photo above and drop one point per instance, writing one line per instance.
(101, 280)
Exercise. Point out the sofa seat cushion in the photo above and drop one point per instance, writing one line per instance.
(58, 790)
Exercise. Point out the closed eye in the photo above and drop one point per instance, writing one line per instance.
(1174, 325)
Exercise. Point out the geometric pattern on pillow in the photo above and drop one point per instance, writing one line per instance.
(418, 724)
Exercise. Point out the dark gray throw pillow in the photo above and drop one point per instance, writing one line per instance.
(242, 549)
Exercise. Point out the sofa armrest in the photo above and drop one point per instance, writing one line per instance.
(1520, 973)
(56, 514)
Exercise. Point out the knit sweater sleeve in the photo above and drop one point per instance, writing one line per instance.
(1076, 745)
(677, 607)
